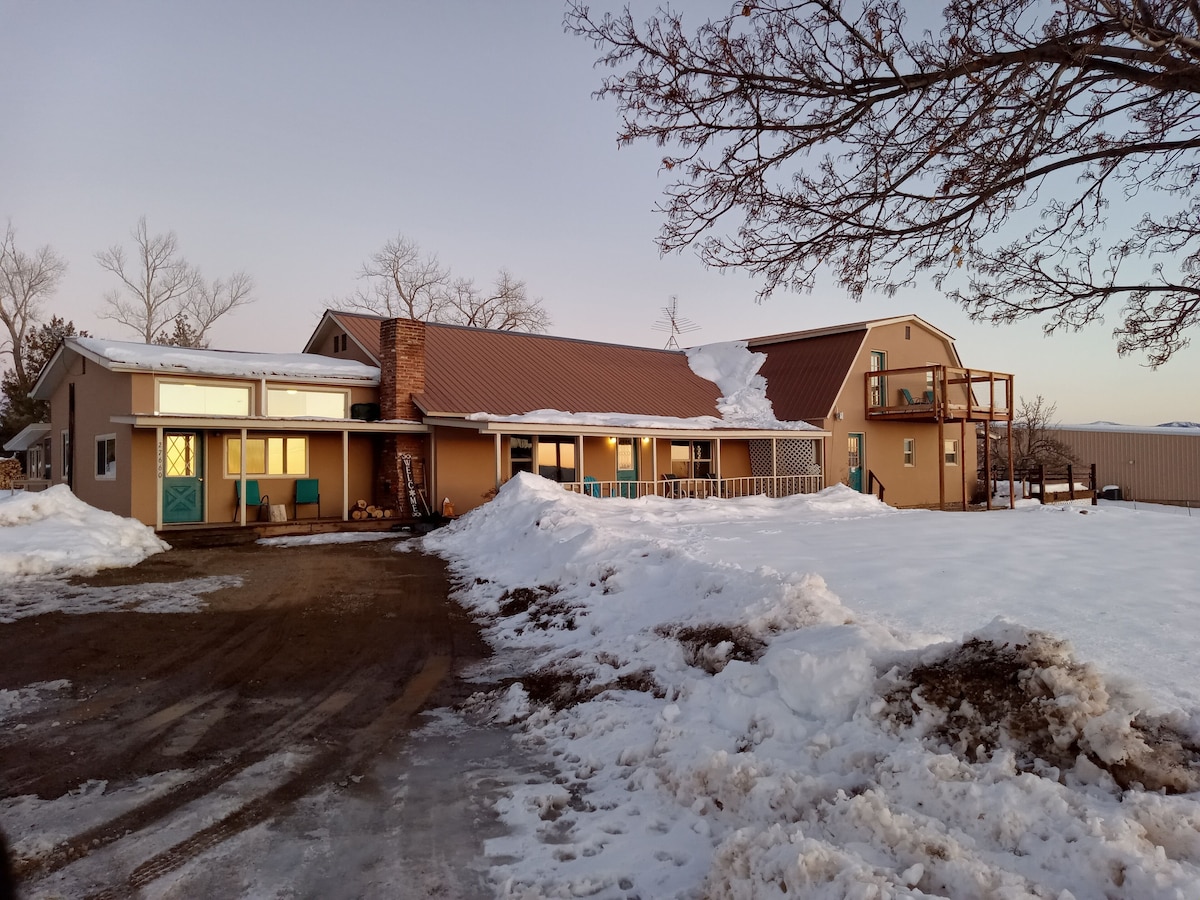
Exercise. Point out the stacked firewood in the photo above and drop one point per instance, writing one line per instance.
(361, 509)
(10, 471)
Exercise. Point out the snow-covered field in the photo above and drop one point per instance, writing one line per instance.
(823, 697)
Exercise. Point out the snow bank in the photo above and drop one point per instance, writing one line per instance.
(726, 727)
(52, 532)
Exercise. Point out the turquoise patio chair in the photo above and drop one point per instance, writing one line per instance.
(591, 485)
(253, 498)
(308, 490)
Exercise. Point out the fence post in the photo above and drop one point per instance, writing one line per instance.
(1070, 482)
(1095, 502)
(1042, 484)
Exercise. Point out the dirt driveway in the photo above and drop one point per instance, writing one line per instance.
(279, 703)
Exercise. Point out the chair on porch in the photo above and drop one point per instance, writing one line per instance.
(926, 400)
(591, 485)
(253, 498)
(308, 490)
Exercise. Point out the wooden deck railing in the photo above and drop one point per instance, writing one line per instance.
(933, 393)
(679, 488)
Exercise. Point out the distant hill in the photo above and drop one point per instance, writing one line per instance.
(1179, 425)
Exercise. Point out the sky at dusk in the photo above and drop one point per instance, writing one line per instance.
(291, 140)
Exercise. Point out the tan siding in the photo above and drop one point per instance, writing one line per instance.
(1151, 467)
(466, 466)
(735, 459)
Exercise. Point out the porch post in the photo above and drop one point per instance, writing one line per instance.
(718, 461)
(1012, 503)
(942, 463)
(242, 491)
(962, 459)
(498, 459)
(987, 453)
(158, 489)
(654, 464)
(579, 459)
(345, 475)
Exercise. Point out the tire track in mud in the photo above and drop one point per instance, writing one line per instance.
(367, 743)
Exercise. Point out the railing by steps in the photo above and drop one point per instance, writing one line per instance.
(872, 480)
(679, 488)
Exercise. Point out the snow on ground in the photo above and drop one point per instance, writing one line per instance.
(823, 697)
(52, 532)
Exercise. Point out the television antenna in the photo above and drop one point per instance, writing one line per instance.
(675, 324)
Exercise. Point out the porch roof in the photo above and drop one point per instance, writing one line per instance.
(265, 423)
(581, 427)
(27, 437)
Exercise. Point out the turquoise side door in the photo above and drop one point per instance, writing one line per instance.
(627, 467)
(183, 477)
(855, 460)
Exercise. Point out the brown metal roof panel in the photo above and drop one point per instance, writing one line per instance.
(511, 373)
(805, 376)
(364, 329)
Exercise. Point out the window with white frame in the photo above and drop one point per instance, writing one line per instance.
(295, 403)
(910, 451)
(951, 453)
(106, 457)
(199, 399)
(267, 456)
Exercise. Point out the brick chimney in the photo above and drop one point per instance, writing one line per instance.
(401, 367)
(401, 374)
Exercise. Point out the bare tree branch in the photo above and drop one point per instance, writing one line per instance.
(400, 280)
(25, 281)
(831, 134)
(158, 286)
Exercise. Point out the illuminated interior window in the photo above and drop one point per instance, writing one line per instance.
(268, 456)
(296, 403)
(203, 399)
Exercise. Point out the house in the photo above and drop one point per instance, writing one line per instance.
(900, 407)
(175, 436)
(1153, 464)
(892, 392)
(408, 414)
(32, 443)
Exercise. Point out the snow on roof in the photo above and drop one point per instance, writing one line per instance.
(235, 363)
(1192, 428)
(730, 366)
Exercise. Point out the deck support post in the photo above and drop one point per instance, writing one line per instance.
(941, 463)
(1012, 503)
(242, 470)
(962, 459)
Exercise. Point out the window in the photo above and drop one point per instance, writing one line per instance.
(520, 453)
(106, 457)
(691, 459)
(268, 456)
(878, 382)
(951, 453)
(908, 332)
(910, 451)
(66, 455)
(203, 399)
(556, 458)
(294, 403)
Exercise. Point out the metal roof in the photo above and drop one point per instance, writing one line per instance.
(470, 370)
(805, 375)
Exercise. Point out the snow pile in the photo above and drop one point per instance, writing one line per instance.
(722, 725)
(52, 532)
(733, 368)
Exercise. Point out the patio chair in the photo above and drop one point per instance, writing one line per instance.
(308, 490)
(591, 485)
(926, 400)
(253, 498)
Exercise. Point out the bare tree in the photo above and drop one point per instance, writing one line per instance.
(401, 280)
(986, 155)
(25, 281)
(506, 307)
(1032, 443)
(158, 285)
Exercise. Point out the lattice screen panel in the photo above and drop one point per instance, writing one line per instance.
(793, 457)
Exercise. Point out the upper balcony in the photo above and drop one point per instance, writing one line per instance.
(938, 394)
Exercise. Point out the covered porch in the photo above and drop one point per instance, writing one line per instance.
(214, 471)
(632, 462)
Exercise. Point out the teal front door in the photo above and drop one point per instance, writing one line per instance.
(183, 477)
(627, 467)
(855, 460)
